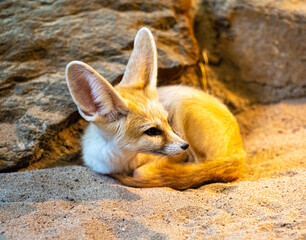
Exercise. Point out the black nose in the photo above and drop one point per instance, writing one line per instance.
(185, 146)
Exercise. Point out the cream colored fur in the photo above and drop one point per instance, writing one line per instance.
(119, 140)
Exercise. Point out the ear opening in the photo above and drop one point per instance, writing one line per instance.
(141, 69)
(92, 94)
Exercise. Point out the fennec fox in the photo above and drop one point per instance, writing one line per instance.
(139, 133)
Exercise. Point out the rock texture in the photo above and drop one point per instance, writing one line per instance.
(256, 52)
(38, 119)
(268, 203)
(257, 48)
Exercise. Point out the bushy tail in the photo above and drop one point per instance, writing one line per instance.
(182, 176)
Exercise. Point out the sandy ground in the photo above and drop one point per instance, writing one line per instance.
(269, 202)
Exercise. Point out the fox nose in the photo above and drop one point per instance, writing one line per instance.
(185, 146)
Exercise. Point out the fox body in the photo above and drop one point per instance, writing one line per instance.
(174, 136)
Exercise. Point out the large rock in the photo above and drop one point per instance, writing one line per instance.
(37, 40)
(256, 48)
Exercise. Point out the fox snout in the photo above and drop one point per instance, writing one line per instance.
(176, 145)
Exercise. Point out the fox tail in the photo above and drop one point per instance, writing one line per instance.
(182, 176)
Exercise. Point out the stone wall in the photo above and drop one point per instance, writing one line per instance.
(256, 52)
(256, 48)
(38, 119)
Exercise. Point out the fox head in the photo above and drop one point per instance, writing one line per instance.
(129, 114)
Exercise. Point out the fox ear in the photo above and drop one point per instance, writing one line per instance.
(141, 69)
(92, 94)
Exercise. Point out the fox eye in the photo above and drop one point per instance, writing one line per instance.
(153, 131)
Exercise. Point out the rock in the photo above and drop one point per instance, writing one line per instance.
(39, 38)
(256, 48)
(255, 51)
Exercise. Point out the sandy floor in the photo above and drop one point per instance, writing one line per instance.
(269, 202)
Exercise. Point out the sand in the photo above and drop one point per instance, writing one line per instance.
(268, 202)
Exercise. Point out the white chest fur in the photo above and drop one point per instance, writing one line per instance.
(103, 155)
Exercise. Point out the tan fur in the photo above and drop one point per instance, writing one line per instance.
(116, 143)
(215, 153)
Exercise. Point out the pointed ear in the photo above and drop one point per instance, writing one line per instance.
(92, 94)
(141, 69)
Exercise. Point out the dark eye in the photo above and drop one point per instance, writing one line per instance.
(153, 131)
